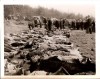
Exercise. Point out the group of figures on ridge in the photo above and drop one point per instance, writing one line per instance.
(87, 24)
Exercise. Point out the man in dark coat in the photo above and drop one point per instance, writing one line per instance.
(93, 26)
(31, 25)
(45, 22)
(88, 25)
(49, 24)
(73, 24)
(61, 23)
(56, 23)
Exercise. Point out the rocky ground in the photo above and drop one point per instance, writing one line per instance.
(39, 44)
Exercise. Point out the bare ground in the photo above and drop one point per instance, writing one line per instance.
(85, 42)
(14, 26)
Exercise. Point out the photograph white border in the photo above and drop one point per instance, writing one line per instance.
(38, 2)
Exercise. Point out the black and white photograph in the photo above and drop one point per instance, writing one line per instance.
(49, 40)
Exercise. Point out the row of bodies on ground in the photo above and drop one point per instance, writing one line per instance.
(87, 24)
(38, 52)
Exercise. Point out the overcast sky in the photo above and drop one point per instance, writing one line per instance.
(83, 9)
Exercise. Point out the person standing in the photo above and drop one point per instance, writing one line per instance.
(49, 24)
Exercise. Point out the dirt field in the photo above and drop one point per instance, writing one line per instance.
(85, 42)
(14, 26)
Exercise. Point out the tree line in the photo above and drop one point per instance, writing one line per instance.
(25, 10)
